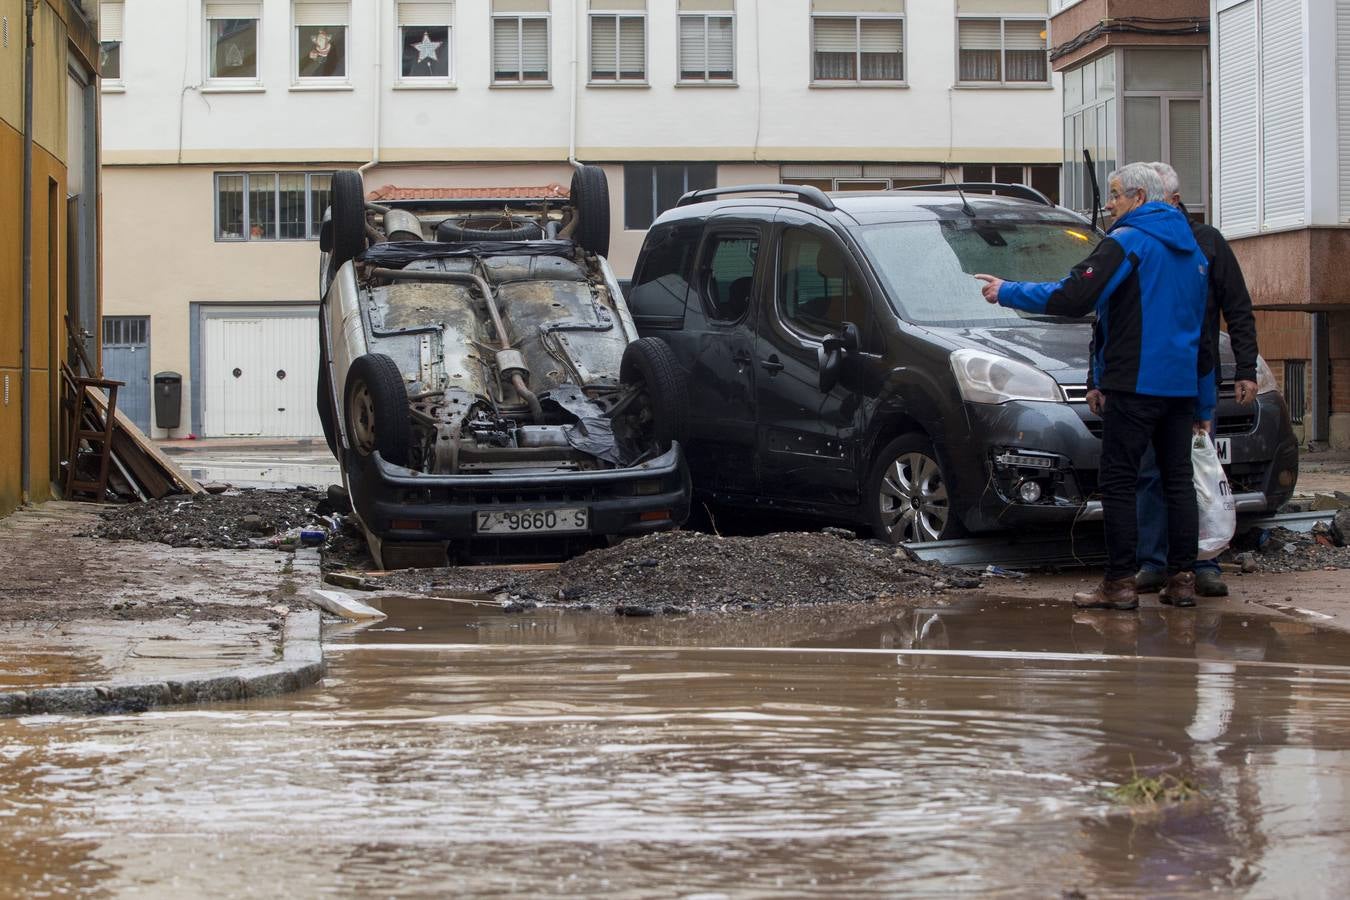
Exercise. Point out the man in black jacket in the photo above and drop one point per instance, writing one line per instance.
(1227, 295)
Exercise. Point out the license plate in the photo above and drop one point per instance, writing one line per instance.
(533, 521)
(1224, 448)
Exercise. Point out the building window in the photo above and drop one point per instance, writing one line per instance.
(1090, 110)
(707, 45)
(271, 206)
(1002, 51)
(1295, 394)
(320, 39)
(1043, 178)
(110, 40)
(857, 49)
(425, 45)
(618, 48)
(519, 50)
(232, 31)
(650, 189)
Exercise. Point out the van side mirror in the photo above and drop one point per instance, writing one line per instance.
(832, 352)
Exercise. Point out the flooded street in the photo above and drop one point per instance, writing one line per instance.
(454, 749)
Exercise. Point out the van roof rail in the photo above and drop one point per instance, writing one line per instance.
(1022, 191)
(812, 196)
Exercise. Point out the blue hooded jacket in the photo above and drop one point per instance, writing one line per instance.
(1148, 284)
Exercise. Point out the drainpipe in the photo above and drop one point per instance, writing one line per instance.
(26, 390)
(578, 12)
(379, 90)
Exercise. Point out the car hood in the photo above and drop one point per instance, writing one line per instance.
(1059, 349)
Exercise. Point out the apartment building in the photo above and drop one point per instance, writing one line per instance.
(223, 121)
(56, 229)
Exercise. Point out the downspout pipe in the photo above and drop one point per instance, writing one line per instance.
(26, 388)
(578, 13)
(379, 90)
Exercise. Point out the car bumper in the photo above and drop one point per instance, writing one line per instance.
(419, 515)
(1064, 439)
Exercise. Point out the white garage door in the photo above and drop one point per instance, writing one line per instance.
(259, 374)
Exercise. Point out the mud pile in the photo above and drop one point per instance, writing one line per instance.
(1280, 550)
(233, 521)
(686, 571)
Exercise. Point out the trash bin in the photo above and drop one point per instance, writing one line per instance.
(168, 399)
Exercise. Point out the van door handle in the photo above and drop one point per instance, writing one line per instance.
(772, 365)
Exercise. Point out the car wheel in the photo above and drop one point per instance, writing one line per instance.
(376, 409)
(663, 408)
(590, 199)
(349, 216)
(908, 493)
(463, 229)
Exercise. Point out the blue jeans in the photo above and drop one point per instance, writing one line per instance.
(1152, 514)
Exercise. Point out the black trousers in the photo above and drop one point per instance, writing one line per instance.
(1131, 422)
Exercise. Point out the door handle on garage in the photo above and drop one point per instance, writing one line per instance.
(772, 365)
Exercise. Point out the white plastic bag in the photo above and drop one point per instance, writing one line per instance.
(1218, 514)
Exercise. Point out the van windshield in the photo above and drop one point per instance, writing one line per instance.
(927, 267)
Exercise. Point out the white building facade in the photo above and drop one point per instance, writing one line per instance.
(225, 119)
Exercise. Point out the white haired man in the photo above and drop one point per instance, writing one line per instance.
(1227, 296)
(1147, 281)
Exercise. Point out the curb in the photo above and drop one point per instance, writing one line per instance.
(301, 665)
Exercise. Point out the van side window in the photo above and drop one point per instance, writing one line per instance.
(817, 290)
(661, 285)
(729, 274)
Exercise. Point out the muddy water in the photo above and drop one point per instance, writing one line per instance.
(957, 748)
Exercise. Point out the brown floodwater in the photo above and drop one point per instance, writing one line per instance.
(869, 751)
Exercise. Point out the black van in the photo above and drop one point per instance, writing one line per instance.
(842, 363)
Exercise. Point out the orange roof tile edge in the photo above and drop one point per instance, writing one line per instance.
(546, 192)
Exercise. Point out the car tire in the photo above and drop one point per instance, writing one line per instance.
(590, 200)
(376, 409)
(649, 363)
(349, 217)
(456, 231)
(907, 493)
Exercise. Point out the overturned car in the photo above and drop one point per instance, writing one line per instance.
(481, 381)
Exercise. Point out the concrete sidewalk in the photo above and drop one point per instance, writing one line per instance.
(90, 625)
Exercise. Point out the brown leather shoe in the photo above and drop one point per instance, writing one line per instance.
(1117, 593)
(1179, 590)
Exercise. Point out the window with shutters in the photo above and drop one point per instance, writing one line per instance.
(320, 39)
(520, 50)
(232, 31)
(1003, 51)
(707, 47)
(857, 49)
(618, 48)
(425, 41)
(650, 189)
(271, 206)
(110, 41)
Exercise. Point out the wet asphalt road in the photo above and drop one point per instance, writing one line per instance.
(453, 749)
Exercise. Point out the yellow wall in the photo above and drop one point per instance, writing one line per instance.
(49, 263)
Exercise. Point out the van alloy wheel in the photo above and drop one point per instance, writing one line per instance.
(912, 498)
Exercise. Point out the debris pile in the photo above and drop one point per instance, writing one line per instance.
(233, 521)
(1280, 550)
(686, 571)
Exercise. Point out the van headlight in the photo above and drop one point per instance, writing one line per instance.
(1265, 379)
(989, 378)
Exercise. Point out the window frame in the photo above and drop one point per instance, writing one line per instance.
(520, 80)
(426, 81)
(117, 83)
(245, 223)
(655, 188)
(854, 270)
(858, 19)
(320, 81)
(231, 82)
(714, 233)
(707, 78)
(618, 79)
(1003, 83)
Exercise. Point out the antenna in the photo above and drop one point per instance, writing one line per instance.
(1096, 188)
(965, 204)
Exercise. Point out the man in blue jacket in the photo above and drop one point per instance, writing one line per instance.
(1147, 283)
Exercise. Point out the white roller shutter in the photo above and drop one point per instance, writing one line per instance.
(1282, 126)
(693, 55)
(506, 47)
(535, 45)
(604, 45)
(419, 13)
(881, 36)
(979, 34)
(110, 22)
(313, 12)
(1024, 35)
(1343, 102)
(632, 47)
(721, 44)
(233, 10)
(1239, 137)
(836, 35)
